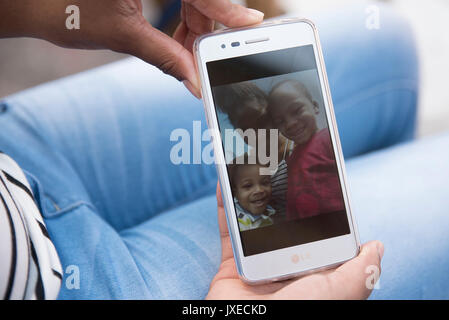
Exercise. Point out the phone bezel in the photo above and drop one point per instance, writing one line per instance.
(277, 264)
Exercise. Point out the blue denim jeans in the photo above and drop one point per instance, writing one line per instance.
(96, 150)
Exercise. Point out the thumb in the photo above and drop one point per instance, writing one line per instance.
(160, 50)
(356, 278)
(226, 245)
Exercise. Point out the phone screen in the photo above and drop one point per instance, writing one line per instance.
(279, 155)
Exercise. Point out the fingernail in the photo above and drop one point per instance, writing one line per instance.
(364, 251)
(193, 89)
(256, 14)
(380, 249)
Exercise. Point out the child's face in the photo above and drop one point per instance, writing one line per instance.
(252, 189)
(294, 113)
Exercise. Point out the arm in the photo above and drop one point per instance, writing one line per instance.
(120, 26)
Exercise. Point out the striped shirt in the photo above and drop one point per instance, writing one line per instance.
(279, 181)
(279, 188)
(29, 265)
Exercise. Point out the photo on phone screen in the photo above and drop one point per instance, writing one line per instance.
(279, 154)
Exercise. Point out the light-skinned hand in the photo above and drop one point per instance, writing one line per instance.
(348, 281)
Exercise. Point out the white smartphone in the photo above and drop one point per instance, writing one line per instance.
(277, 149)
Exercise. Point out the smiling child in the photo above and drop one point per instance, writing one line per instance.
(313, 184)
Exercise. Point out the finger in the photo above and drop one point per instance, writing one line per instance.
(180, 33)
(356, 278)
(226, 12)
(183, 11)
(182, 30)
(196, 21)
(158, 49)
(226, 246)
(197, 24)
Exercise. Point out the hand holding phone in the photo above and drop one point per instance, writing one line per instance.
(353, 280)
(277, 150)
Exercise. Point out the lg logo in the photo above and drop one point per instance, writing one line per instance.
(296, 258)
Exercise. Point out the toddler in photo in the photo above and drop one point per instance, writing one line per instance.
(313, 184)
(252, 193)
(246, 106)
